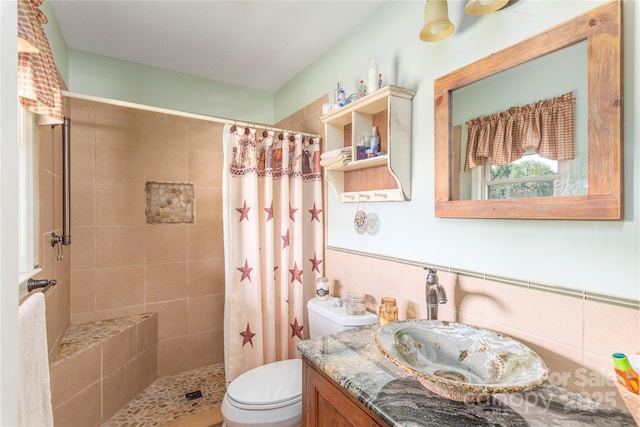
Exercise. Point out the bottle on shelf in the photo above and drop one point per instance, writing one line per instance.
(373, 76)
(374, 141)
(340, 96)
(379, 80)
(362, 89)
(362, 149)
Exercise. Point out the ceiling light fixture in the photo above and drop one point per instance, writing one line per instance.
(436, 21)
(436, 16)
(484, 7)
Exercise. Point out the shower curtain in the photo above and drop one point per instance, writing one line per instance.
(273, 243)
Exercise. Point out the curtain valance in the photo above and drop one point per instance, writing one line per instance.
(38, 83)
(547, 126)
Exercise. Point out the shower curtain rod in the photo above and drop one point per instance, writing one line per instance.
(183, 114)
(260, 126)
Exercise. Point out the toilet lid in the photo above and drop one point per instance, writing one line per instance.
(269, 386)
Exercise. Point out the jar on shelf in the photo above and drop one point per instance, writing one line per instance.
(388, 311)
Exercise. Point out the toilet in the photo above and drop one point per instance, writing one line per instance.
(271, 395)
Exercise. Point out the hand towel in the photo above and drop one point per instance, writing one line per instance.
(34, 386)
(343, 159)
(335, 153)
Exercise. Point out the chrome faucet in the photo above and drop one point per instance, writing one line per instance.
(435, 293)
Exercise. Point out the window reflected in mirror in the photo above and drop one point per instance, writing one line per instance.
(530, 176)
(590, 68)
(500, 98)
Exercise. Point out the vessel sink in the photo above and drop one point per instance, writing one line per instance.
(461, 362)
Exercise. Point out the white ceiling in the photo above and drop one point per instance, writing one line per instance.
(255, 44)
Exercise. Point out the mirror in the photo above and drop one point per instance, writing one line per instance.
(595, 35)
(531, 175)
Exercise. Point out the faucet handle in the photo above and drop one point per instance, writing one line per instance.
(432, 275)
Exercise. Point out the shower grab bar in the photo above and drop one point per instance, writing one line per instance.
(33, 284)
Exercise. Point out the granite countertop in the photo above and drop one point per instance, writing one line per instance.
(352, 359)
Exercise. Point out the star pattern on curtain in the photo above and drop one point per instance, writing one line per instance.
(258, 169)
(292, 212)
(247, 336)
(296, 274)
(285, 239)
(244, 211)
(296, 329)
(269, 212)
(315, 213)
(315, 263)
(246, 271)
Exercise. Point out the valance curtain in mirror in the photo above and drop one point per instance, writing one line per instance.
(38, 82)
(547, 126)
(273, 243)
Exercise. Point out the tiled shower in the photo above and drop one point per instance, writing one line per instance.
(122, 264)
(123, 260)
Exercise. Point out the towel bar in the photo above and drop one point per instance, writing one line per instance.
(37, 284)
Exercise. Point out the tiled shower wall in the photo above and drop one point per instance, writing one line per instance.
(121, 265)
(306, 119)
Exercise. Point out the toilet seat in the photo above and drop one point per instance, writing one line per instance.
(271, 386)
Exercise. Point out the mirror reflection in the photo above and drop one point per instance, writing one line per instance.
(492, 105)
(520, 184)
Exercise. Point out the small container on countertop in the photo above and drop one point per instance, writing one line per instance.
(322, 288)
(355, 303)
(388, 311)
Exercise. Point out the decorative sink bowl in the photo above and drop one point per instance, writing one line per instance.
(461, 362)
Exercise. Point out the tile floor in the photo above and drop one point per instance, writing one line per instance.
(163, 403)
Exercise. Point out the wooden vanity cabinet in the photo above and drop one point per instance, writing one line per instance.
(325, 404)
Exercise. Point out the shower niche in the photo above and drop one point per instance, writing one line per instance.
(169, 202)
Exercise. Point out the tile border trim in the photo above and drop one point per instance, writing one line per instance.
(554, 289)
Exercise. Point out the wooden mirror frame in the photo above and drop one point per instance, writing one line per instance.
(601, 27)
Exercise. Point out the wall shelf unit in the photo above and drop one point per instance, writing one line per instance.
(381, 178)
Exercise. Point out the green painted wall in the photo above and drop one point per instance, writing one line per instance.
(89, 74)
(57, 43)
(601, 256)
(105, 77)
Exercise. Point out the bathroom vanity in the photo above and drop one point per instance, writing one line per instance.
(347, 381)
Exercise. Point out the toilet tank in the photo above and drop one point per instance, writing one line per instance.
(328, 317)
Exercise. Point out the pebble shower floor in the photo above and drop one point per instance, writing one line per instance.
(163, 403)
